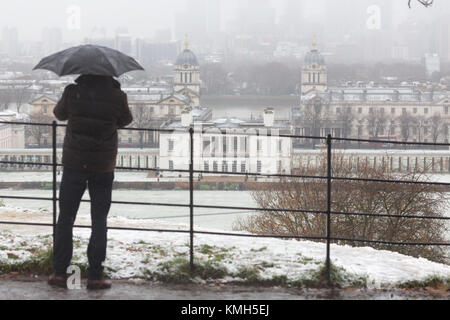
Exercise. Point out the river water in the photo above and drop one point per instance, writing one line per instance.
(206, 218)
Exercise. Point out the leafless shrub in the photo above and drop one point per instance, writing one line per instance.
(396, 200)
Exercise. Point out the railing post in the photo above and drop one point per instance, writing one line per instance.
(191, 199)
(327, 262)
(54, 165)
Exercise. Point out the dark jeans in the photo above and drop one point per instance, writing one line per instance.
(73, 185)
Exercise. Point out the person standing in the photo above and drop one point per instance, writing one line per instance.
(95, 107)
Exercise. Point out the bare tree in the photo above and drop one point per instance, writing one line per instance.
(20, 95)
(437, 126)
(376, 122)
(6, 97)
(141, 119)
(314, 116)
(346, 117)
(39, 134)
(405, 122)
(350, 196)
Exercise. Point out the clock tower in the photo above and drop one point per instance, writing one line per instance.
(187, 75)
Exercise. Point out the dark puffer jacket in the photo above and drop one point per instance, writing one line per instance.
(95, 108)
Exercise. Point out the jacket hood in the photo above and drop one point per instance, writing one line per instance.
(97, 81)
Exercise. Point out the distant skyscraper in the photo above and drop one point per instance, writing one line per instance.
(52, 40)
(123, 41)
(10, 41)
(213, 17)
(256, 17)
(192, 21)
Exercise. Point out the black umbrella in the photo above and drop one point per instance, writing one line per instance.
(89, 59)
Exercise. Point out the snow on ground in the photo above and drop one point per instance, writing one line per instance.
(137, 253)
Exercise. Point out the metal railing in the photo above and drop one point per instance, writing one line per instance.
(328, 238)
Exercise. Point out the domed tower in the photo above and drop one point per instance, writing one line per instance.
(314, 72)
(187, 75)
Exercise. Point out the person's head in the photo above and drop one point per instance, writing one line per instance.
(92, 80)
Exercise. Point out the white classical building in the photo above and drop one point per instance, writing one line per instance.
(11, 136)
(227, 145)
(406, 111)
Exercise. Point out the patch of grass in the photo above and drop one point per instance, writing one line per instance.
(258, 250)
(251, 276)
(431, 281)
(178, 271)
(339, 278)
(41, 263)
(12, 256)
(206, 249)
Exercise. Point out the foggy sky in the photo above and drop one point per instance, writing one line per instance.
(143, 17)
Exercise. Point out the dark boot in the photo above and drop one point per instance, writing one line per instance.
(57, 281)
(98, 284)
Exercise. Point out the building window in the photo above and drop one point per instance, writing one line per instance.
(425, 110)
(258, 166)
(243, 144)
(224, 166)
(446, 110)
(279, 166)
(392, 110)
(171, 143)
(415, 110)
(215, 166)
(359, 110)
(171, 165)
(243, 166)
(258, 145)
(206, 146)
(280, 145)
(224, 146)
(403, 110)
(206, 166)
(338, 110)
(234, 166)
(130, 140)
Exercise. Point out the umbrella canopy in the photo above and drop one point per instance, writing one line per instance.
(89, 59)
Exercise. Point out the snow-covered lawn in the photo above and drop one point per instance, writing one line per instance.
(136, 254)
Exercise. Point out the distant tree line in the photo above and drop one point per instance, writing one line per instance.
(284, 78)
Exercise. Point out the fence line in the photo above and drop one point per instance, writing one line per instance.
(191, 131)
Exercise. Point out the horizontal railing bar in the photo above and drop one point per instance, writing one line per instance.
(394, 242)
(248, 209)
(28, 163)
(251, 174)
(320, 238)
(392, 181)
(49, 124)
(393, 142)
(38, 224)
(241, 234)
